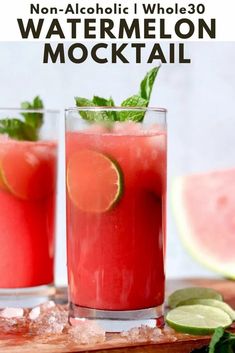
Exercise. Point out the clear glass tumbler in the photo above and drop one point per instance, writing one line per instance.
(116, 214)
(28, 178)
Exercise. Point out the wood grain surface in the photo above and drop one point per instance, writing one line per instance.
(114, 343)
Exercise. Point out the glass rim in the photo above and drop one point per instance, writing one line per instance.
(22, 110)
(117, 108)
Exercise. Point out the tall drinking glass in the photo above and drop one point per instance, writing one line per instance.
(116, 214)
(28, 177)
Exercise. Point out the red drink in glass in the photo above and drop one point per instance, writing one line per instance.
(28, 177)
(27, 205)
(116, 257)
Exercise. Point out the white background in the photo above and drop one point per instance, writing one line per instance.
(200, 98)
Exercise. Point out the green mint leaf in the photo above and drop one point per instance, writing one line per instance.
(111, 102)
(37, 103)
(100, 101)
(138, 100)
(147, 83)
(97, 116)
(226, 344)
(33, 119)
(28, 129)
(17, 129)
(217, 336)
(103, 102)
(222, 342)
(83, 102)
(133, 101)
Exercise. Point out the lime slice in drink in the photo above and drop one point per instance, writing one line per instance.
(28, 171)
(94, 181)
(3, 186)
(2, 183)
(181, 295)
(212, 302)
(197, 319)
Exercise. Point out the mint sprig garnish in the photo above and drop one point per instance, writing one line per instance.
(90, 115)
(17, 129)
(221, 342)
(33, 119)
(146, 85)
(28, 128)
(139, 100)
(103, 101)
(134, 101)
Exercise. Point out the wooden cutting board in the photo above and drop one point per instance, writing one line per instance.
(114, 343)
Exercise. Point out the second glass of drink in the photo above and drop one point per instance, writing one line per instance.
(28, 180)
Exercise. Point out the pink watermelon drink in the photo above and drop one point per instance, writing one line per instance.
(27, 208)
(116, 194)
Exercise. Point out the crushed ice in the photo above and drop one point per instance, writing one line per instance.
(143, 333)
(85, 332)
(9, 313)
(49, 321)
(13, 320)
(48, 318)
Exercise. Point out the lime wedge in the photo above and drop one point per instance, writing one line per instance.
(197, 319)
(181, 295)
(212, 302)
(94, 181)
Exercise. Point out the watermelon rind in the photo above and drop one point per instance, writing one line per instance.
(226, 269)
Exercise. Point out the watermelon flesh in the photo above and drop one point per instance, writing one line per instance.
(204, 208)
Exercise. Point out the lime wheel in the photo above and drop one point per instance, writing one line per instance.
(94, 181)
(181, 295)
(29, 173)
(197, 319)
(3, 186)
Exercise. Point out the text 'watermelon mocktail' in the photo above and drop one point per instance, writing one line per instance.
(27, 201)
(116, 193)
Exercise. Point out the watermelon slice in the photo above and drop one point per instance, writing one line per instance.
(204, 208)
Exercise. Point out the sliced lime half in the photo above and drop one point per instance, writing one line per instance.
(181, 295)
(212, 302)
(197, 319)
